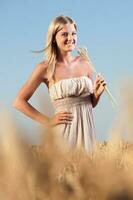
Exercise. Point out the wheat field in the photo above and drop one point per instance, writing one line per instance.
(53, 171)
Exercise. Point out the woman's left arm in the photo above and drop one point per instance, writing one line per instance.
(98, 88)
(98, 84)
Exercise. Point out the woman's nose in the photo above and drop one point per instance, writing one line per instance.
(70, 37)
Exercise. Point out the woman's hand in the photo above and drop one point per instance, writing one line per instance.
(99, 86)
(60, 118)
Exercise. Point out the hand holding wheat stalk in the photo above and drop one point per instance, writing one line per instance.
(84, 52)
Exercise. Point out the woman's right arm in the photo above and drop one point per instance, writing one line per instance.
(21, 101)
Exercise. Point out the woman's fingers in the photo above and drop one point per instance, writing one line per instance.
(103, 83)
(64, 117)
(100, 80)
(65, 122)
(65, 113)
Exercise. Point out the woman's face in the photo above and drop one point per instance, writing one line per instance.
(66, 38)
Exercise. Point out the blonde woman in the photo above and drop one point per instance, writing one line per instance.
(69, 81)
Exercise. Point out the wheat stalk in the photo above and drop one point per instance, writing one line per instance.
(84, 52)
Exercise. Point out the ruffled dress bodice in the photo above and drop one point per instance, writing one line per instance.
(71, 87)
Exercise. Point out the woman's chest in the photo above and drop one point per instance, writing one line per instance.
(69, 72)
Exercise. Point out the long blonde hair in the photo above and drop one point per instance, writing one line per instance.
(51, 46)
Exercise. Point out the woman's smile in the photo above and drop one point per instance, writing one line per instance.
(66, 37)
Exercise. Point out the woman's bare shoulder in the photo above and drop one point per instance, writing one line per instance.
(86, 64)
(82, 59)
(42, 65)
(42, 68)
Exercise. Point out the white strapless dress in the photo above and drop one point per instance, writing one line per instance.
(74, 95)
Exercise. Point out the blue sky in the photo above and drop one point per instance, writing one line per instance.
(105, 27)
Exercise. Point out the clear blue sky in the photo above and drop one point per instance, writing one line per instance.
(105, 27)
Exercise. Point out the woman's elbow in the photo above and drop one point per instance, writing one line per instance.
(92, 102)
(94, 105)
(17, 103)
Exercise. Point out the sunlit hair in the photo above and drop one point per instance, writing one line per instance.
(51, 46)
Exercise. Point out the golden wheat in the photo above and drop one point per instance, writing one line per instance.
(54, 171)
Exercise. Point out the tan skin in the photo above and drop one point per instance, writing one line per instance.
(67, 66)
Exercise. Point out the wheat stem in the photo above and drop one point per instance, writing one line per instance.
(84, 52)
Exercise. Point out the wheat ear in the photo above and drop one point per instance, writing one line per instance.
(84, 52)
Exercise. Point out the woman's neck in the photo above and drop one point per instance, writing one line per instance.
(65, 57)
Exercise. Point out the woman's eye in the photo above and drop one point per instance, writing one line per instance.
(64, 34)
(74, 33)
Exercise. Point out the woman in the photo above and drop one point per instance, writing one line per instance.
(69, 80)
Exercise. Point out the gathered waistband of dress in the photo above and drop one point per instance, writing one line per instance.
(72, 101)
